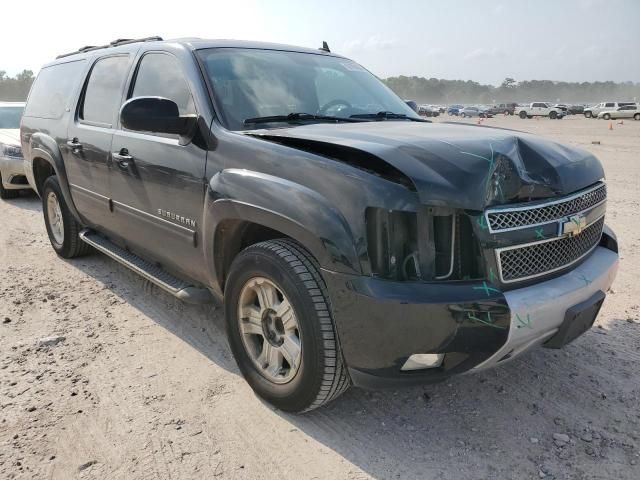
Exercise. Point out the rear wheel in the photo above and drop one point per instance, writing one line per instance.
(62, 227)
(588, 114)
(523, 115)
(6, 194)
(506, 112)
(553, 115)
(606, 116)
(280, 327)
(636, 116)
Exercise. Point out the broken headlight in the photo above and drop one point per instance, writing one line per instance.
(433, 244)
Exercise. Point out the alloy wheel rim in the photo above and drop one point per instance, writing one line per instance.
(56, 224)
(269, 330)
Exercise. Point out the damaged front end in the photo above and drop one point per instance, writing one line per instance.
(499, 216)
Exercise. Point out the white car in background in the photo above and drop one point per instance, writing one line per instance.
(595, 110)
(627, 111)
(12, 177)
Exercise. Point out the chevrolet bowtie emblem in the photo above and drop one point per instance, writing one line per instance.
(574, 225)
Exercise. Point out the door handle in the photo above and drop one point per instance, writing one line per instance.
(74, 145)
(122, 158)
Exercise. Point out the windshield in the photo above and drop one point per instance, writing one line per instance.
(10, 117)
(252, 83)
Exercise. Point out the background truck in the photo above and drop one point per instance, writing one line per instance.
(540, 109)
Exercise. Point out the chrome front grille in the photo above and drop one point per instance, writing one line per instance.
(523, 262)
(523, 217)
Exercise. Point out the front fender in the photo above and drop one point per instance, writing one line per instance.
(282, 205)
(44, 147)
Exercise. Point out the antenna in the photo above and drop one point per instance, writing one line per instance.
(325, 47)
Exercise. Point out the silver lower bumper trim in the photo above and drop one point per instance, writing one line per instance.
(538, 311)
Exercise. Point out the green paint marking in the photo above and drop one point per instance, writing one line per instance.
(522, 322)
(499, 185)
(487, 289)
(585, 280)
(492, 275)
(576, 221)
(482, 223)
(488, 322)
(539, 234)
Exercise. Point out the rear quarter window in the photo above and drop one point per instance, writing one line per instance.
(51, 92)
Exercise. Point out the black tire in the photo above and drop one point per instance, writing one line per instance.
(636, 116)
(321, 376)
(588, 114)
(553, 115)
(606, 116)
(506, 112)
(71, 245)
(7, 194)
(523, 115)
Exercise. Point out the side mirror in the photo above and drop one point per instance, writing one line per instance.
(155, 114)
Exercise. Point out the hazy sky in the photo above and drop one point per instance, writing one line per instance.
(482, 40)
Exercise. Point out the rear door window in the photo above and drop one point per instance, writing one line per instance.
(610, 104)
(51, 93)
(103, 94)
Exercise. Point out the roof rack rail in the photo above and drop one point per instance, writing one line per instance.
(115, 43)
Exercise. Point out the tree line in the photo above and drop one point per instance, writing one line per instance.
(440, 91)
(15, 89)
(437, 90)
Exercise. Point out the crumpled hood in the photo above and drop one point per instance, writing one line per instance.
(10, 136)
(458, 165)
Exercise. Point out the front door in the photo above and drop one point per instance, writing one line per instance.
(157, 184)
(88, 148)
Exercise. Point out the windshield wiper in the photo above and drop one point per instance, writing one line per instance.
(298, 116)
(387, 115)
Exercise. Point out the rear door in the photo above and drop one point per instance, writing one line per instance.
(157, 184)
(88, 147)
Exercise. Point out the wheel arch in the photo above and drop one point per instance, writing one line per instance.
(245, 207)
(46, 160)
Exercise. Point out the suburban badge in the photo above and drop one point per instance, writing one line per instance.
(177, 218)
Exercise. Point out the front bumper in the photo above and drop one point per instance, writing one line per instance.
(10, 169)
(381, 323)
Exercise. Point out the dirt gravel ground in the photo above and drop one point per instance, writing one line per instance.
(105, 377)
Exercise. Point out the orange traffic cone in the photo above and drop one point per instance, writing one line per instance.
(610, 125)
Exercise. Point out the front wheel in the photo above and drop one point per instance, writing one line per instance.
(606, 116)
(588, 114)
(636, 116)
(62, 227)
(523, 115)
(553, 115)
(280, 326)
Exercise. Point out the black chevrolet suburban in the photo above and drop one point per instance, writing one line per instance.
(350, 241)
